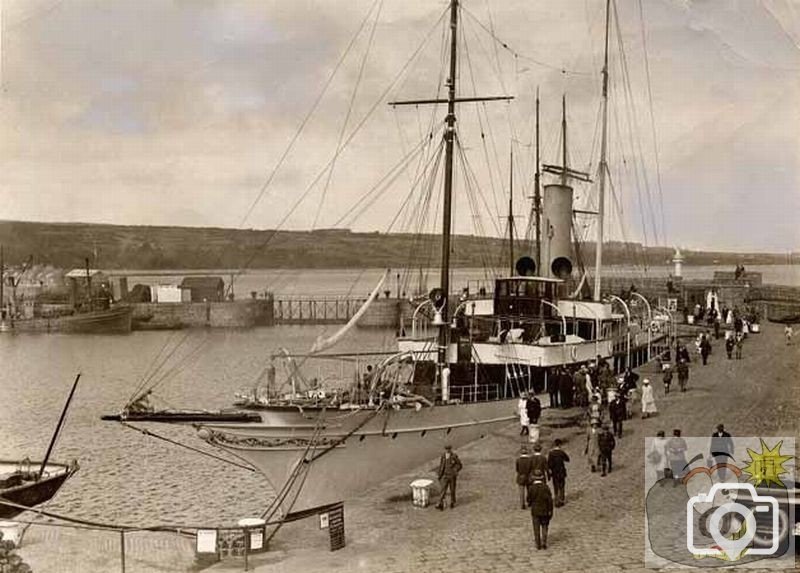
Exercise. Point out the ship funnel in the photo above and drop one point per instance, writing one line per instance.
(557, 231)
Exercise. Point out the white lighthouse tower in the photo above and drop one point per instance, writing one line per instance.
(677, 260)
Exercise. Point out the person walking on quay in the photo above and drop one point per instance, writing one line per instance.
(721, 447)
(592, 450)
(667, 374)
(739, 344)
(524, 470)
(579, 385)
(595, 412)
(676, 455)
(552, 387)
(717, 326)
(556, 462)
(565, 389)
(648, 400)
(788, 332)
(617, 412)
(522, 410)
(539, 462)
(683, 354)
(540, 501)
(730, 343)
(657, 457)
(683, 375)
(534, 409)
(606, 444)
(705, 348)
(449, 467)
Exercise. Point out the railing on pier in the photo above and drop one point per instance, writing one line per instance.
(317, 310)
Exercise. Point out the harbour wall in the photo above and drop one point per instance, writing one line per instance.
(176, 315)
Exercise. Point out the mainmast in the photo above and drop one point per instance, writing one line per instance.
(564, 138)
(511, 213)
(537, 194)
(603, 168)
(449, 140)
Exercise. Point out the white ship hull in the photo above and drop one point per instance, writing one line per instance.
(351, 459)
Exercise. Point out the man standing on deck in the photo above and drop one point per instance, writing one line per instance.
(449, 466)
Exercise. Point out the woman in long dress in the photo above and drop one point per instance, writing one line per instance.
(522, 410)
(648, 400)
(592, 450)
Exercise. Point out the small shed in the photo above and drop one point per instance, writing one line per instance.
(167, 293)
(203, 289)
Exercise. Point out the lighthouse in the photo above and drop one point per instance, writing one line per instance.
(677, 260)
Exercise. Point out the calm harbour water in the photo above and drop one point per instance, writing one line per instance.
(126, 477)
(130, 478)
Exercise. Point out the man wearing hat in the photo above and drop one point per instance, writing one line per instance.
(449, 466)
(523, 475)
(606, 444)
(556, 461)
(540, 501)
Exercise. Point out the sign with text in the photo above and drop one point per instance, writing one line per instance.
(336, 528)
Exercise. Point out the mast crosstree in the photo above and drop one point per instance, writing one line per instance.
(449, 139)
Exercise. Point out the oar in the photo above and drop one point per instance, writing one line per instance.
(58, 427)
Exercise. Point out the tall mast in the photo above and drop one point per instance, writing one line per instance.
(603, 168)
(511, 214)
(564, 138)
(449, 139)
(537, 194)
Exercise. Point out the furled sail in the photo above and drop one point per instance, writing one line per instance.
(325, 343)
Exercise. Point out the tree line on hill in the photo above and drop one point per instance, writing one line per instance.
(68, 245)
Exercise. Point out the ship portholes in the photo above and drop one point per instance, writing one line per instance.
(483, 436)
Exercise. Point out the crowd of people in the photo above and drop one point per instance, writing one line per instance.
(607, 401)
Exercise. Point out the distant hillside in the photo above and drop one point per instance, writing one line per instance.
(66, 245)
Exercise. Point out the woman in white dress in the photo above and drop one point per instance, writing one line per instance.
(522, 410)
(648, 400)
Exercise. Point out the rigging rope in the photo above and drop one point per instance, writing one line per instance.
(342, 131)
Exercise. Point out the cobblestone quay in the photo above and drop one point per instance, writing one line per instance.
(601, 528)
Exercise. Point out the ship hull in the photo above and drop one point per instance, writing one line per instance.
(372, 447)
(30, 493)
(113, 321)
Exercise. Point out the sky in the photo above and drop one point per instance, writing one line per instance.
(176, 112)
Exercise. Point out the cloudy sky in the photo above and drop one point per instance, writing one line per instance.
(177, 111)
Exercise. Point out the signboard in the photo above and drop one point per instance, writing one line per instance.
(672, 304)
(323, 521)
(336, 527)
(206, 541)
(256, 540)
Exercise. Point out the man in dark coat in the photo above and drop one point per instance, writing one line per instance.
(683, 374)
(524, 470)
(534, 407)
(539, 462)
(617, 412)
(721, 444)
(565, 389)
(449, 466)
(606, 443)
(705, 348)
(540, 501)
(556, 462)
(552, 387)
